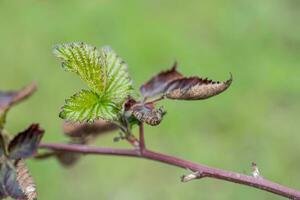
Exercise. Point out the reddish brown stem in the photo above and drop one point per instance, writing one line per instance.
(142, 137)
(204, 171)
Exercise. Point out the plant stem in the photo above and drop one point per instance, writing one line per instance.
(142, 137)
(203, 171)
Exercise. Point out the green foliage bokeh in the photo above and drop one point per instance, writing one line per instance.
(257, 119)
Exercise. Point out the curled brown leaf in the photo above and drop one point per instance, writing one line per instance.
(84, 130)
(65, 158)
(25, 143)
(10, 98)
(79, 133)
(195, 88)
(25, 180)
(148, 114)
(157, 84)
(173, 85)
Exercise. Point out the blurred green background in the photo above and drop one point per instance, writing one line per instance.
(257, 119)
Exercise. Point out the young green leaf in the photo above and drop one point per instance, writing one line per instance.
(84, 60)
(119, 84)
(88, 106)
(105, 74)
(25, 143)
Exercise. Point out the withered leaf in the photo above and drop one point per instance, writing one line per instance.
(173, 85)
(82, 130)
(195, 88)
(67, 159)
(8, 99)
(148, 114)
(2, 145)
(9, 182)
(80, 133)
(25, 143)
(2, 188)
(157, 84)
(25, 180)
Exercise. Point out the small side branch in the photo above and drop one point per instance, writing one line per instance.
(200, 170)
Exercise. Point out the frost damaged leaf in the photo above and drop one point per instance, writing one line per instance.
(81, 133)
(157, 84)
(25, 143)
(148, 114)
(81, 130)
(25, 180)
(195, 88)
(9, 182)
(67, 159)
(10, 98)
(174, 85)
(2, 145)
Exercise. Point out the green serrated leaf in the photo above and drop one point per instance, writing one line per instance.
(84, 60)
(119, 84)
(106, 75)
(88, 106)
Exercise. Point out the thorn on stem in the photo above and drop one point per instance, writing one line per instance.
(255, 171)
(192, 176)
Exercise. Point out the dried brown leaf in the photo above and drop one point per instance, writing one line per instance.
(10, 185)
(80, 133)
(148, 114)
(83, 130)
(65, 158)
(25, 180)
(195, 88)
(25, 143)
(157, 84)
(8, 99)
